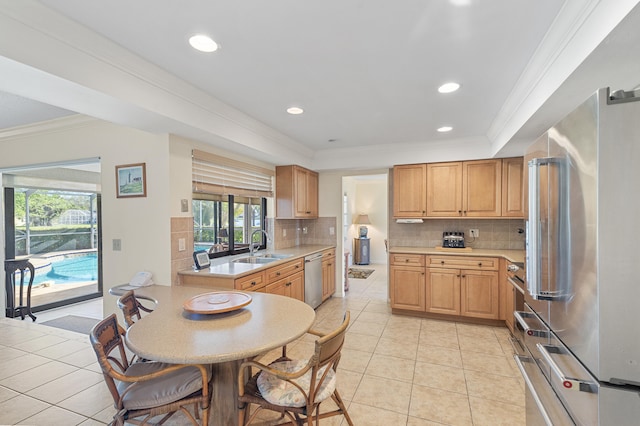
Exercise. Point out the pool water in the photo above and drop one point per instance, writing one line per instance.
(71, 269)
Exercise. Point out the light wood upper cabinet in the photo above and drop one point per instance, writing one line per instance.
(296, 193)
(464, 189)
(409, 190)
(482, 188)
(513, 189)
(444, 189)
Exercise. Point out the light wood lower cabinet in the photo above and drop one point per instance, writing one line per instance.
(407, 281)
(443, 291)
(328, 273)
(291, 286)
(445, 285)
(479, 294)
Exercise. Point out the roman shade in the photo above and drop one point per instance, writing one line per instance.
(214, 174)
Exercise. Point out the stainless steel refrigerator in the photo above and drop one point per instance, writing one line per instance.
(582, 309)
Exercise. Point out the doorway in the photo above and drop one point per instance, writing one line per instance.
(365, 195)
(52, 218)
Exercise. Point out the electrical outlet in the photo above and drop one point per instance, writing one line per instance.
(475, 233)
(181, 244)
(284, 232)
(304, 230)
(117, 244)
(332, 230)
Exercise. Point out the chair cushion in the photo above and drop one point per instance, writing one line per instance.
(280, 392)
(161, 390)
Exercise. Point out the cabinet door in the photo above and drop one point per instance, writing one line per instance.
(513, 187)
(443, 291)
(328, 277)
(301, 188)
(444, 189)
(482, 188)
(407, 288)
(291, 286)
(409, 190)
(480, 294)
(311, 199)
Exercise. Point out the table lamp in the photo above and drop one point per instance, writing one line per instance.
(363, 219)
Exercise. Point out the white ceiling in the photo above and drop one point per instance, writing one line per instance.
(365, 71)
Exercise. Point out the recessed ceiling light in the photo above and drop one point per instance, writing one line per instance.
(295, 110)
(445, 129)
(448, 87)
(203, 43)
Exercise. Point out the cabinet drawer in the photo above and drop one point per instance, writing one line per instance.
(406, 259)
(482, 263)
(251, 282)
(286, 269)
(328, 253)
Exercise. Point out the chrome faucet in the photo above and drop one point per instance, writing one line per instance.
(251, 247)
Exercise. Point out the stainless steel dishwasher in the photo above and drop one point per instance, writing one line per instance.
(313, 280)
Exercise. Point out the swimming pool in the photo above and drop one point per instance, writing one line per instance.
(67, 269)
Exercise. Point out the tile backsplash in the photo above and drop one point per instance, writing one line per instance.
(493, 233)
(293, 232)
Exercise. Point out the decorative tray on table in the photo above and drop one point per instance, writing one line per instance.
(216, 302)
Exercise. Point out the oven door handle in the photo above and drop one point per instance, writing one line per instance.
(567, 382)
(520, 316)
(515, 284)
(519, 360)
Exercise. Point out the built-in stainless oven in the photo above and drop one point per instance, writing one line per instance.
(516, 278)
(543, 405)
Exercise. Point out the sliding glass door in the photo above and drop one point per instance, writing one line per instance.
(56, 225)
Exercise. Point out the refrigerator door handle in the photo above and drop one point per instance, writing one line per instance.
(534, 231)
(543, 412)
(567, 382)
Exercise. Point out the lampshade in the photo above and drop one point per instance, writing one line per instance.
(363, 219)
(223, 233)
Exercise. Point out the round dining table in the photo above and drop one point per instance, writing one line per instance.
(174, 334)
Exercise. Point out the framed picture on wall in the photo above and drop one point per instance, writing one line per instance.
(131, 180)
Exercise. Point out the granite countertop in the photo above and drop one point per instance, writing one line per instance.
(510, 255)
(224, 267)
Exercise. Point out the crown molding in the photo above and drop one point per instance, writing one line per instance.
(577, 30)
(48, 126)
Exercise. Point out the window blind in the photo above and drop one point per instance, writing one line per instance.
(213, 174)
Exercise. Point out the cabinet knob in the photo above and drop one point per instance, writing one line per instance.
(288, 284)
(460, 212)
(442, 262)
(297, 266)
(457, 276)
(277, 274)
(465, 212)
(253, 283)
(406, 260)
(464, 276)
(479, 263)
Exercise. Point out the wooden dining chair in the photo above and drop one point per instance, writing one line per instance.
(148, 389)
(295, 388)
(131, 308)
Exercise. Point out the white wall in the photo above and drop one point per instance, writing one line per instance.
(142, 224)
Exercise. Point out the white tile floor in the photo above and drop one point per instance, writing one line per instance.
(394, 370)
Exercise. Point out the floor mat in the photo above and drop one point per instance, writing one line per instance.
(73, 323)
(360, 273)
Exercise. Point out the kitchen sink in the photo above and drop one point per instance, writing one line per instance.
(255, 259)
(273, 256)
